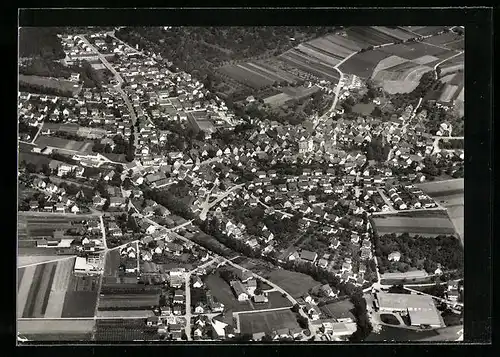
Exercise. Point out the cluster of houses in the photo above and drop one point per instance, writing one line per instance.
(56, 199)
(167, 327)
(212, 328)
(244, 287)
(408, 196)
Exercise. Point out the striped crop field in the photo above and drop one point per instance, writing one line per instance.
(444, 39)
(34, 290)
(59, 287)
(389, 62)
(368, 36)
(426, 59)
(258, 71)
(451, 68)
(395, 33)
(448, 93)
(414, 226)
(428, 30)
(54, 326)
(363, 64)
(415, 50)
(318, 54)
(245, 76)
(274, 73)
(310, 66)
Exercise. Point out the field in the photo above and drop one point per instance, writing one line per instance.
(64, 144)
(310, 65)
(59, 287)
(128, 297)
(267, 321)
(246, 76)
(124, 330)
(294, 283)
(127, 313)
(364, 109)
(444, 39)
(34, 290)
(337, 309)
(37, 159)
(59, 337)
(112, 263)
(426, 30)
(369, 36)
(438, 189)
(81, 297)
(277, 100)
(450, 194)
(414, 50)
(414, 226)
(223, 293)
(362, 64)
(55, 327)
(59, 84)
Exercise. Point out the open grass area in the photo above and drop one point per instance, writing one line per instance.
(267, 321)
(294, 283)
(414, 226)
(223, 293)
(51, 326)
(52, 83)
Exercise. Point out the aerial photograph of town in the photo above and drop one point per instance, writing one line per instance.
(240, 184)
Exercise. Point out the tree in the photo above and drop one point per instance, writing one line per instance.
(303, 322)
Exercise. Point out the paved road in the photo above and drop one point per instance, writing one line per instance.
(443, 61)
(340, 83)
(207, 207)
(65, 257)
(37, 133)
(281, 290)
(118, 87)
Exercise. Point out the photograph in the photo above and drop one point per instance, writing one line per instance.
(257, 184)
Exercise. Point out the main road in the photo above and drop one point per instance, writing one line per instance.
(118, 87)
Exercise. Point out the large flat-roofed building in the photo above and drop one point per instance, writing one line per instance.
(421, 309)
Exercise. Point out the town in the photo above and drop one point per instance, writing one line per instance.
(157, 203)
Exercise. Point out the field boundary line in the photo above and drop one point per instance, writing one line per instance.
(47, 261)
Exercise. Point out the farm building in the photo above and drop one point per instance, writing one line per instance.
(420, 309)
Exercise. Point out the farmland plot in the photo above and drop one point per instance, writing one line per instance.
(389, 62)
(245, 77)
(414, 226)
(415, 50)
(81, 297)
(294, 283)
(427, 59)
(39, 289)
(395, 33)
(26, 279)
(342, 42)
(369, 36)
(59, 84)
(59, 287)
(429, 30)
(310, 65)
(330, 48)
(267, 321)
(124, 330)
(448, 93)
(443, 39)
(363, 64)
(51, 326)
(451, 68)
(277, 72)
(328, 59)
